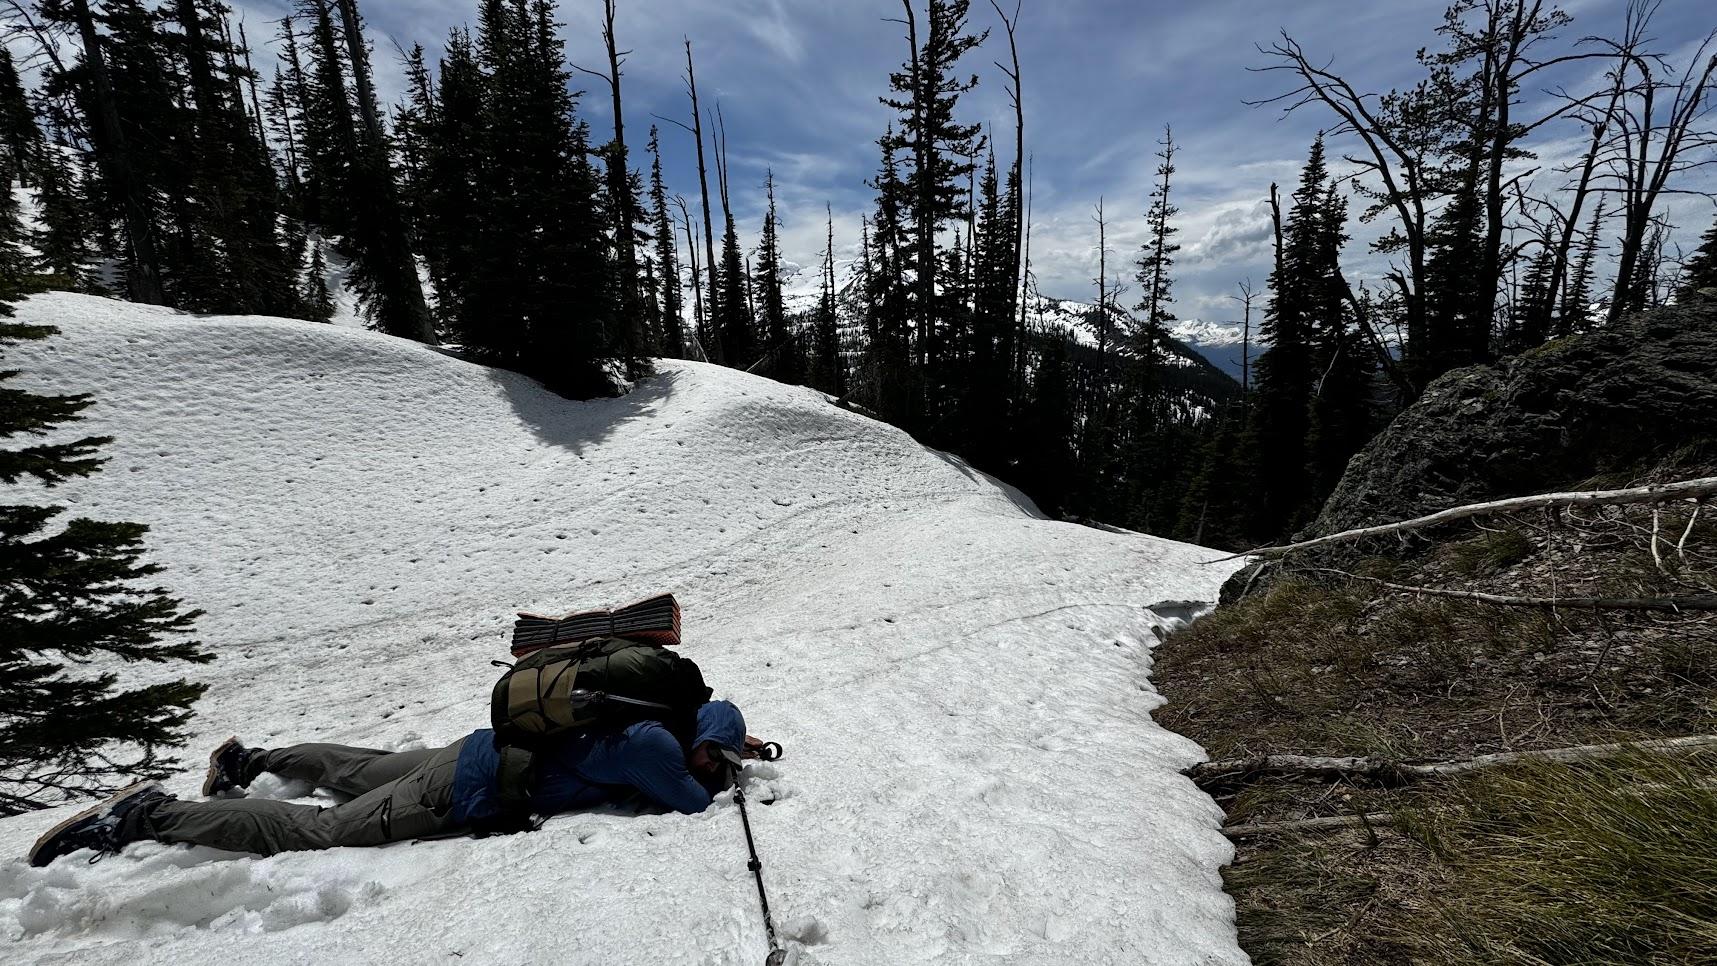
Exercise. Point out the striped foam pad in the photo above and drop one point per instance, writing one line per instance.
(654, 620)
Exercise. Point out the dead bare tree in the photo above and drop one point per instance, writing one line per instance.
(1451, 135)
(1016, 178)
(1653, 142)
(1402, 163)
(1569, 221)
(1245, 300)
(619, 189)
(700, 330)
(36, 43)
(1697, 489)
(695, 129)
(1100, 324)
(1230, 772)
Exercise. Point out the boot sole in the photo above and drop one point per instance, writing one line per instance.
(94, 811)
(214, 771)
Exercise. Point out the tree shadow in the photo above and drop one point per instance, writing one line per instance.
(575, 424)
(1014, 494)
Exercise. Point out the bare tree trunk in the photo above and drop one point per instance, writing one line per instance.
(699, 330)
(1498, 73)
(1245, 300)
(1665, 605)
(703, 184)
(1402, 172)
(1024, 284)
(295, 79)
(360, 58)
(1228, 773)
(1332, 823)
(1102, 283)
(1011, 24)
(1697, 489)
(250, 73)
(1276, 224)
(618, 188)
(1643, 178)
(1571, 225)
(143, 271)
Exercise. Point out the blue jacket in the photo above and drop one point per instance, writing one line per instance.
(589, 769)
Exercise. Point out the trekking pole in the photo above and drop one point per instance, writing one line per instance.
(777, 955)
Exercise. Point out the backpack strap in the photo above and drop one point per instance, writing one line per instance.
(513, 778)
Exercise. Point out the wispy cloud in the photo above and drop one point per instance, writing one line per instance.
(798, 83)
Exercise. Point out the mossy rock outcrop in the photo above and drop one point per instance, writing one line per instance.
(1605, 402)
(1608, 403)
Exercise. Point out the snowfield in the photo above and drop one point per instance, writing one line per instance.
(972, 773)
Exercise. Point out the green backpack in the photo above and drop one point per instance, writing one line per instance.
(605, 682)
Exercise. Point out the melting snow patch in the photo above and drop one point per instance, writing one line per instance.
(960, 684)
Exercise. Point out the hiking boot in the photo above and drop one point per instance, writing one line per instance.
(227, 767)
(99, 827)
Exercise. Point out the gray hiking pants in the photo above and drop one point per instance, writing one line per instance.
(397, 796)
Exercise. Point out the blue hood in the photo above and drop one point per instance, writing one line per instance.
(721, 722)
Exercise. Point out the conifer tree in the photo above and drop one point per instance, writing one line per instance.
(281, 121)
(180, 156)
(1048, 426)
(623, 209)
(98, 95)
(1456, 313)
(70, 595)
(20, 136)
(1700, 270)
(940, 148)
(376, 242)
(786, 354)
(826, 371)
(1529, 311)
(289, 98)
(987, 403)
(887, 371)
(1576, 312)
(318, 301)
(1341, 418)
(1155, 261)
(734, 325)
(1283, 376)
(634, 340)
(577, 285)
(64, 242)
(672, 342)
(535, 278)
(413, 133)
(453, 197)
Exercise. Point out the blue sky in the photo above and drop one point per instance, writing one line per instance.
(798, 82)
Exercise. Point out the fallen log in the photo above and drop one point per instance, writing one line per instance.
(1389, 772)
(1334, 823)
(1668, 605)
(1655, 493)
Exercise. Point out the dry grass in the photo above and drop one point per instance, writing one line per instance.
(1613, 863)
(1609, 864)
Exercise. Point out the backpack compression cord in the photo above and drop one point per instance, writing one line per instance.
(777, 955)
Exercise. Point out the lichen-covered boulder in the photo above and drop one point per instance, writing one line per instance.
(1546, 420)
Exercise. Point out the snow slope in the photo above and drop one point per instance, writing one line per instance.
(972, 774)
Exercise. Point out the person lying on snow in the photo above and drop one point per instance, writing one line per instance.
(412, 794)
